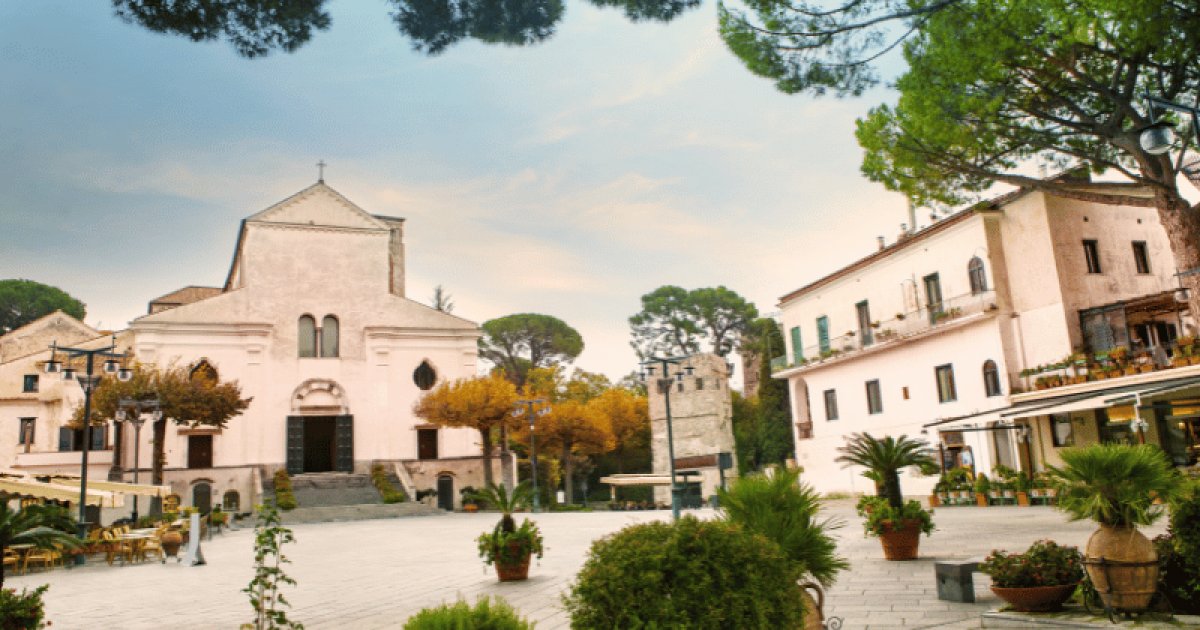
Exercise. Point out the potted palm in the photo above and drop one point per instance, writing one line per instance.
(982, 487)
(1039, 580)
(786, 511)
(897, 524)
(1115, 486)
(42, 526)
(508, 546)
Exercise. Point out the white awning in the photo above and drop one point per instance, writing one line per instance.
(55, 492)
(113, 486)
(645, 479)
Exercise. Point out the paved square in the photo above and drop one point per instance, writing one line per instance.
(374, 574)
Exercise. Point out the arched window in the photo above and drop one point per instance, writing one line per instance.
(204, 370)
(978, 279)
(329, 336)
(424, 376)
(232, 501)
(991, 378)
(306, 336)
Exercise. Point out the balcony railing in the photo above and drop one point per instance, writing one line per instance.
(903, 326)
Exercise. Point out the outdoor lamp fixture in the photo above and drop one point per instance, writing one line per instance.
(131, 410)
(665, 365)
(88, 382)
(528, 412)
(1159, 136)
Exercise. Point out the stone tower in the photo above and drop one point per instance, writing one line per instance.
(701, 419)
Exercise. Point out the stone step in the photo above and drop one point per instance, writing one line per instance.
(330, 514)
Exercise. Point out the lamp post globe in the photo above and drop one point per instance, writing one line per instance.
(1157, 139)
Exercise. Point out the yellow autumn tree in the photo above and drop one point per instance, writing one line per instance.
(483, 403)
(628, 418)
(574, 429)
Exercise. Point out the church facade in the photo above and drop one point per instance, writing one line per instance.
(313, 323)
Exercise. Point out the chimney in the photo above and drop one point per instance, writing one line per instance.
(395, 254)
(912, 215)
(879, 239)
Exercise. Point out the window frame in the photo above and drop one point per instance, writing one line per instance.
(30, 384)
(943, 395)
(1091, 256)
(823, 343)
(977, 275)
(831, 407)
(323, 337)
(874, 397)
(312, 335)
(1141, 257)
(797, 345)
(991, 379)
(32, 434)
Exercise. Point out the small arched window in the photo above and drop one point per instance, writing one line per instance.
(424, 376)
(991, 378)
(978, 278)
(232, 501)
(329, 336)
(203, 370)
(306, 336)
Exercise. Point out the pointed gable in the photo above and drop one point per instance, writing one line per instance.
(319, 205)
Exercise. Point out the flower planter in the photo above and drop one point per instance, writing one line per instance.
(981, 499)
(934, 501)
(171, 541)
(1194, 359)
(1035, 598)
(1023, 499)
(901, 544)
(1123, 567)
(516, 571)
(470, 507)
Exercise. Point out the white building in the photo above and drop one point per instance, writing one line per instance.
(313, 323)
(940, 324)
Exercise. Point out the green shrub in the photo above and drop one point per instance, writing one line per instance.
(785, 510)
(485, 615)
(879, 516)
(689, 574)
(387, 491)
(1045, 564)
(1114, 484)
(284, 498)
(23, 611)
(1179, 552)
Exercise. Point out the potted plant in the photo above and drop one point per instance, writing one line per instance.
(1115, 485)
(469, 501)
(1039, 580)
(508, 546)
(982, 487)
(898, 524)
(1021, 485)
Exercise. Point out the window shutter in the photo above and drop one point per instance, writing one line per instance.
(99, 435)
(797, 347)
(65, 435)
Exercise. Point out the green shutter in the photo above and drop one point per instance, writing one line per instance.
(797, 347)
(823, 333)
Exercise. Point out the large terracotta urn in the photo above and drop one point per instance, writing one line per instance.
(171, 540)
(1123, 567)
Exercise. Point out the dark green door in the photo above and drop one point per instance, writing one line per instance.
(344, 438)
(295, 445)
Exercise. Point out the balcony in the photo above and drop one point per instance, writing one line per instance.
(950, 313)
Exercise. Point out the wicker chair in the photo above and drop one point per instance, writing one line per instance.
(12, 559)
(45, 557)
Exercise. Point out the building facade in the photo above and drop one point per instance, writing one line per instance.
(314, 325)
(946, 323)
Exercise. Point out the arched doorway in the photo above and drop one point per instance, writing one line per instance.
(202, 497)
(320, 431)
(445, 490)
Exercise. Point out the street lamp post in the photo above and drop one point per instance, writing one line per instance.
(1158, 137)
(135, 409)
(529, 413)
(664, 386)
(88, 382)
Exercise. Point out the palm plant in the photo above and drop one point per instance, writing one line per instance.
(507, 502)
(783, 509)
(38, 525)
(1114, 484)
(885, 458)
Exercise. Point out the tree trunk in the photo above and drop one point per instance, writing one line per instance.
(568, 473)
(3, 550)
(156, 463)
(891, 489)
(1182, 224)
(485, 438)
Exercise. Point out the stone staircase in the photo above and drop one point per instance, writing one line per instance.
(337, 496)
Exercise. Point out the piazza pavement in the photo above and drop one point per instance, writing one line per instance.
(374, 574)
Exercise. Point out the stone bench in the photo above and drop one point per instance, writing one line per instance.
(954, 581)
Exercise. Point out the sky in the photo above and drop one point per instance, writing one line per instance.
(566, 178)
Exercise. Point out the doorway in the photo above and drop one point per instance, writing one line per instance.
(933, 296)
(320, 442)
(445, 490)
(200, 451)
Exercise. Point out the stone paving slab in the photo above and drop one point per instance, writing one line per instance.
(374, 574)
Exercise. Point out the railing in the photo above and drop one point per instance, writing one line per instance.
(902, 326)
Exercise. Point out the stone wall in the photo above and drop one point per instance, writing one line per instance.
(701, 417)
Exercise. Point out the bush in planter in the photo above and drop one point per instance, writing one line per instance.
(22, 611)
(1045, 563)
(486, 614)
(785, 510)
(387, 492)
(1115, 486)
(508, 546)
(880, 517)
(688, 574)
(284, 498)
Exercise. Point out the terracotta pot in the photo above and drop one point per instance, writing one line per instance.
(1194, 359)
(901, 544)
(934, 501)
(171, 541)
(981, 499)
(1036, 598)
(1023, 499)
(470, 507)
(1130, 583)
(516, 571)
(814, 618)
